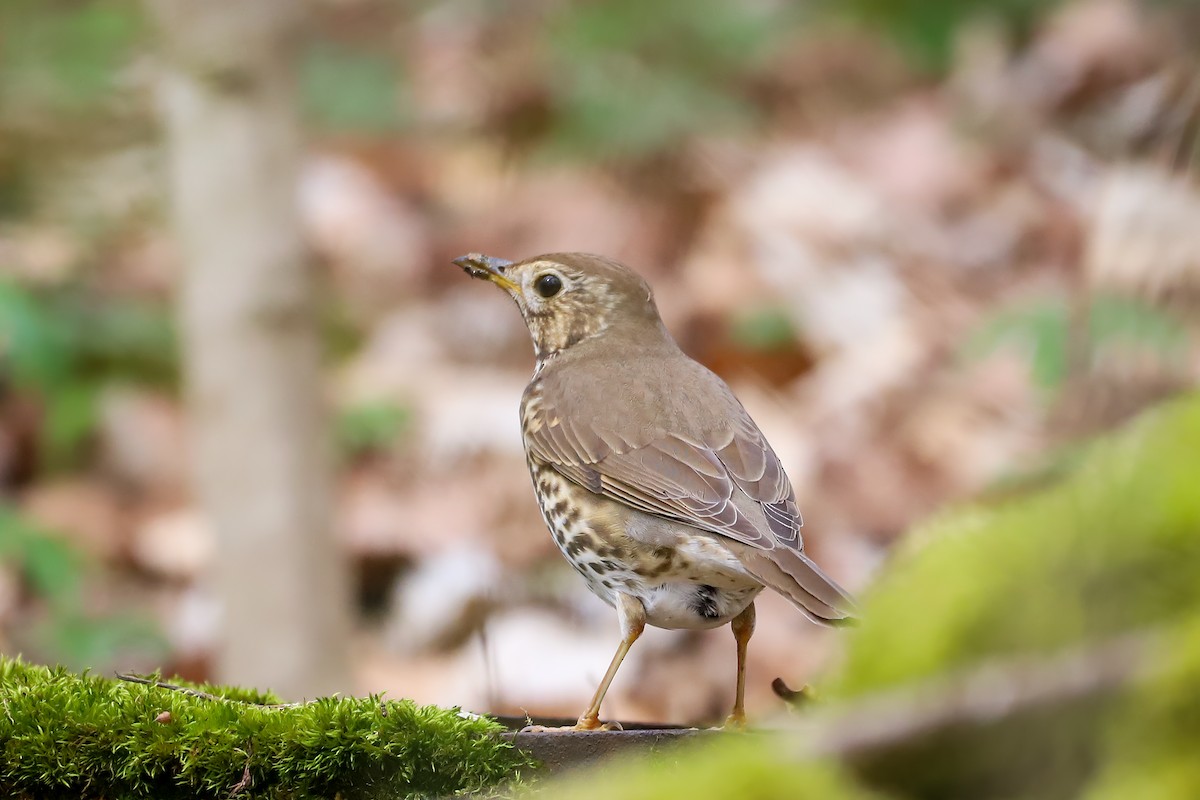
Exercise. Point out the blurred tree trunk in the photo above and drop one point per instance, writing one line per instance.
(251, 341)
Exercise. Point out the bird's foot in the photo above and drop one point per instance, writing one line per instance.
(594, 724)
(734, 722)
(584, 724)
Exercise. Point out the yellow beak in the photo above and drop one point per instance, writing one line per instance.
(478, 265)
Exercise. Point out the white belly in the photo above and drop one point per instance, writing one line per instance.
(675, 605)
(704, 593)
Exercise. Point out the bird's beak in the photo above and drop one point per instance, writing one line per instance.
(478, 265)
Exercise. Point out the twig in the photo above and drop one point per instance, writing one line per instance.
(246, 780)
(197, 693)
(795, 698)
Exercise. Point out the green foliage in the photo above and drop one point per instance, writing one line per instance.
(1119, 321)
(926, 29)
(750, 767)
(765, 329)
(55, 573)
(350, 90)
(35, 349)
(1115, 324)
(371, 427)
(66, 347)
(69, 736)
(1114, 547)
(52, 569)
(1152, 752)
(1041, 328)
(80, 638)
(629, 78)
(16, 182)
(67, 55)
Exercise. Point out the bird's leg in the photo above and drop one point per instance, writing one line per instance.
(632, 615)
(743, 629)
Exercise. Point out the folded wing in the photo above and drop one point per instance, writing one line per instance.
(727, 481)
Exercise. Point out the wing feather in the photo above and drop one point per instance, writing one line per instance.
(727, 481)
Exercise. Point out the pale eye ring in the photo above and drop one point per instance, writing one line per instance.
(548, 285)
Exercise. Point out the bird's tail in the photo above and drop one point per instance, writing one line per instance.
(796, 577)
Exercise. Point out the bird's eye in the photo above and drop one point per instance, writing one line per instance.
(548, 285)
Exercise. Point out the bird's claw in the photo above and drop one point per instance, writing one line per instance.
(593, 724)
(584, 724)
(734, 722)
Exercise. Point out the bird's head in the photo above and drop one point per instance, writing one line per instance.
(568, 298)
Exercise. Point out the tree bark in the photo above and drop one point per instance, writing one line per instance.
(251, 344)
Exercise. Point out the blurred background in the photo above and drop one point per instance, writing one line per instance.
(933, 247)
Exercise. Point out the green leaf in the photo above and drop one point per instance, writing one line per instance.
(351, 90)
(926, 29)
(52, 567)
(120, 338)
(1123, 321)
(1040, 329)
(34, 349)
(764, 329)
(69, 420)
(371, 427)
(80, 640)
(629, 79)
(67, 55)
(65, 345)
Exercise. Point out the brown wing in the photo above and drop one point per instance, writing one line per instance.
(712, 469)
(727, 481)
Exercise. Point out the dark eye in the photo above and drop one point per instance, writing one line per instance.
(548, 285)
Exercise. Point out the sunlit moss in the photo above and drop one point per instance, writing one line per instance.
(64, 735)
(1151, 754)
(735, 767)
(1113, 547)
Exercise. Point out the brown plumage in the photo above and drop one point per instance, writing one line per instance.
(656, 483)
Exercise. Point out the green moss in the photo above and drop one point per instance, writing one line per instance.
(1151, 753)
(1113, 547)
(64, 735)
(741, 767)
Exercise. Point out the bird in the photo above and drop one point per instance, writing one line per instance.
(655, 483)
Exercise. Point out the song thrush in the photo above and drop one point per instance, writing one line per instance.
(656, 484)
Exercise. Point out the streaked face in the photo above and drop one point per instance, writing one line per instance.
(562, 305)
